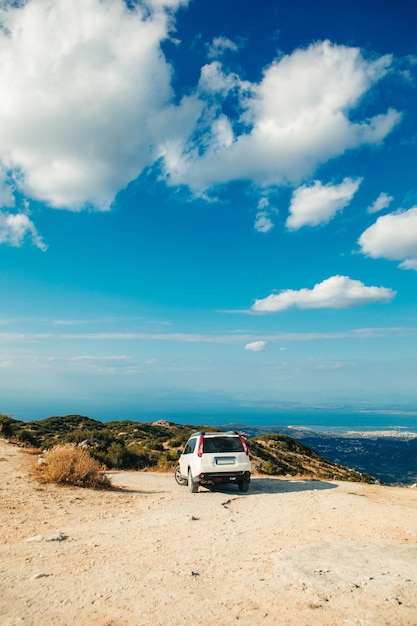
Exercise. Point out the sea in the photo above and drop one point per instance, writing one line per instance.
(319, 419)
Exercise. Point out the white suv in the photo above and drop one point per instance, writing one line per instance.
(214, 458)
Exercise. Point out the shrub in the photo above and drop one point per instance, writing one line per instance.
(167, 462)
(6, 425)
(119, 457)
(146, 459)
(178, 442)
(115, 455)
(69, 464)
(26, 437)
(272, 469)
(269, 468)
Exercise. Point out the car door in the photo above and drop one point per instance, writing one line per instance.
(185, 458)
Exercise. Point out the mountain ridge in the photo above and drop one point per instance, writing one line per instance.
(128, 444)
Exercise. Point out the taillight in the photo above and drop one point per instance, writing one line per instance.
(244, 444)
(200, 446)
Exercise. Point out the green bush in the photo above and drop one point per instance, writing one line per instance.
(6, 426)
(118, 456)
(26, 437)
(269, 468)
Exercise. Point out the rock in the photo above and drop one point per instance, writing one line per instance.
(57, 537)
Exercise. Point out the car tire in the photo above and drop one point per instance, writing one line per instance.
(243, 485)
(179, 477)
(192, 486)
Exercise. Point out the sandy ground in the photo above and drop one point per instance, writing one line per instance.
(287, 552)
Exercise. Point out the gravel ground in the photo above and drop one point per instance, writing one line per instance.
(151, 553)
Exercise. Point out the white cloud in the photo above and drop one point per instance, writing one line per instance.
(337, 292)
(83, 86)
(14, 228)
(219, 46)
(6, 194)
(263, 223)
(99, 358)
(409, 264)
(87, 105)
(255, 346)
(382, 202)
(295, 119)
(318, 204)
(263, 220)
(230, 339)
(393, 236)
(166, 4)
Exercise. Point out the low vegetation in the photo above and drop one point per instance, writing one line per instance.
(69, 464)
(154, 446)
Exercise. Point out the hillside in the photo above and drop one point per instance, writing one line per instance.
(138, 445)
(393, 459)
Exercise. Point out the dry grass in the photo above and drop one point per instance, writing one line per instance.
(69, 464)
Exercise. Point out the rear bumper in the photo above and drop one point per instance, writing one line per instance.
(215, 478)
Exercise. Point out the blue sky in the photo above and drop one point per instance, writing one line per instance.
(207, 205)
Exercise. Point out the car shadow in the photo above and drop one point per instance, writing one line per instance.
(137, 482)
(130, 490)
(276, 485)
(287, 485)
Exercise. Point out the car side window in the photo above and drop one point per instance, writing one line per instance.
(190, 447)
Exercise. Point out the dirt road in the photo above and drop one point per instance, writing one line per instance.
(287, 552)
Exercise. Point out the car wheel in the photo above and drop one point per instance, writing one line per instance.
(192, 486)
(179, 477)
(243, 485)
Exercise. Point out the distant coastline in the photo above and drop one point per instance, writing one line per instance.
(388, 422)
(391, 419)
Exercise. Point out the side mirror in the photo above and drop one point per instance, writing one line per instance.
(179, 452)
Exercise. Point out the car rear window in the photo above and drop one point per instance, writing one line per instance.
(222, 444)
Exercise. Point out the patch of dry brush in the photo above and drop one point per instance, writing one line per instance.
(69, 464)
